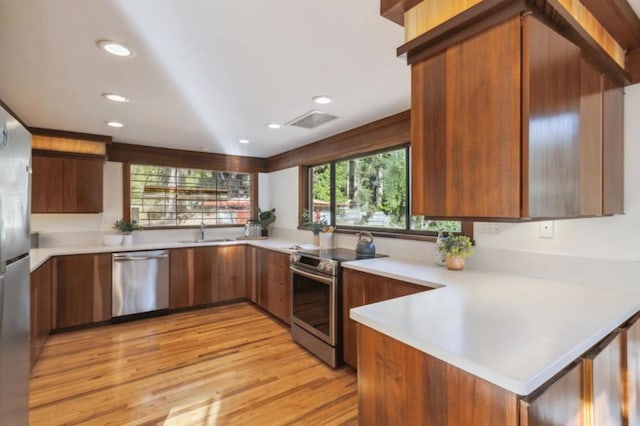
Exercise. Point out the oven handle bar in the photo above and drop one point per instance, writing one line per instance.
(317, 277)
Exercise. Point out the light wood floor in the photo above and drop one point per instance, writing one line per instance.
(219, 366)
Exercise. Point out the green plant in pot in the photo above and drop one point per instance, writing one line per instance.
(127, 229)
(266, 218)
(456, 248)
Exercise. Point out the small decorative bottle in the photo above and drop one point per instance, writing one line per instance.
(440, 257)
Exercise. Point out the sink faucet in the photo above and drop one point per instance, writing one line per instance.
(203, 227)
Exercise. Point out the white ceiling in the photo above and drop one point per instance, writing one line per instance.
(635, 4)
(207, 72)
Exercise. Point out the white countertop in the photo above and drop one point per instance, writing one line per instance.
(40, 256)
(513, 331)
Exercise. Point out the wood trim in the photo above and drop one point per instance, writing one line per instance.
(126, 191)
(139, 154)
(633, 65)
(65, 154)
(618, 18)
(429, 14)
(254, 196)
(303, 193)
(13, 114)
(39, 131)
(380, 134)
(394, 10)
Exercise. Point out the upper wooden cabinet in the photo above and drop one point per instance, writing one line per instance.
(66, 185)
(496, 129)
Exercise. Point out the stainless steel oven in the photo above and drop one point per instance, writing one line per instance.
(316, 306)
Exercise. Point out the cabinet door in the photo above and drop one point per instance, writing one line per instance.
(603, 382)
(252, 273)
(82, 287)
(632, 393)
(82, 187)
(40, 309)
(613, 147)
(182, 278)
(556, 404)
(465, 128)
(46, 184)
(275, 284)
(352, 297)
(229, 266)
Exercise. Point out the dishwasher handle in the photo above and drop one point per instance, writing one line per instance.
(117, 258)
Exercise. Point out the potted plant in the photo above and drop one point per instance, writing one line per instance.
(456, 248)
(127, 229)
(316, 223)
(266, 218)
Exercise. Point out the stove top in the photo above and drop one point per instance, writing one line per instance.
(337, 254)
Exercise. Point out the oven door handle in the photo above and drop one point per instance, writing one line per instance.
(316, 277)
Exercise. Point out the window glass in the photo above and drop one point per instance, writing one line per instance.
(321, 193)
(168, 196)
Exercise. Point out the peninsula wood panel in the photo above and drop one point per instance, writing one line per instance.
(40, 309)
(551, 122)
(603, 385)
(47, 184)
(394, 382)
(591, 139)
(82, 289)
(613, 145)
(559, 403)
(632, 358)
(360, 288)
(477, 164)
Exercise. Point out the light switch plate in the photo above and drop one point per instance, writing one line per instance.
(546, 229)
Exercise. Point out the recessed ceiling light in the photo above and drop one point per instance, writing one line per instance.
(244, 141)
(116, 124)
(322, 100)
(273, 125)
(115, 48)
(115, 97)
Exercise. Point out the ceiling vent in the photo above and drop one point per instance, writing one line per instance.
(311, 119)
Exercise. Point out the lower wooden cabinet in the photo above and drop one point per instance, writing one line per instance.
(81, 286)
(252, 255)
(274, 283)
(41, 302)
(360, 288)
(203, 275)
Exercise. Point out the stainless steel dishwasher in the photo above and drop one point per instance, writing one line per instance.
(140, 282)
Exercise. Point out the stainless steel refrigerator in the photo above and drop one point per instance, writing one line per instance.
(15, 195)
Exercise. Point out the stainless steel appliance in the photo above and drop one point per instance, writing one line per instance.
(140, 282)
(316, 320)
(15, 196)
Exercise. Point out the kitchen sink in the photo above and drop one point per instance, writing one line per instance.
(214, 240)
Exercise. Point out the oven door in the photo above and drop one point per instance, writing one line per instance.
(314, 303)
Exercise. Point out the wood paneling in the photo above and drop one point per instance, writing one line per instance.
(428, 14)
(205, 275)
(82, 289)
(41, 301)
(139, 154)
(359, 288)
(47, 184)
(63, 134)
(253, 267)
(462, 160)
(558, 403)
(613, 142)
(394, 9)
(632, 361)
(388, 132)
(618, 18)
(602, 371)
(590, 139)
(396, 383)
(78, 146)
(225, 365)
(552, 136)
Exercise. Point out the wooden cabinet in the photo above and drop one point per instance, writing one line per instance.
(204, 275)
(274, 287)
(631, 355)
(41, 301)
(359, 288)
(81, 287)
(253, 272)
(496, 129)
(66, 185)
(557, 403)
(613, 147)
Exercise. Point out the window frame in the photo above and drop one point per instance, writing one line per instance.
(126, 198)
(305, 191)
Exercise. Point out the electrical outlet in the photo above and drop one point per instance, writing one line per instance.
(489, 228)
(546, 229)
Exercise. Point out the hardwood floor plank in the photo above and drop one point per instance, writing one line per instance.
(223, 365)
